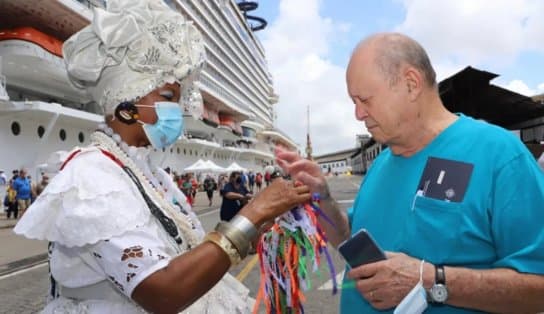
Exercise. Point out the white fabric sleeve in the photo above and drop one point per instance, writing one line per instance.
(91, 199)
(128, 259)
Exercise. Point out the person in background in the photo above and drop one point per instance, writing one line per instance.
(187, 188)
(22, 186)
(209, 187)
(194, 186)
(15, 174)
(3, 178)
(235, 196)
(251, 181)
(40, 186)
(10, 202)
(245, 179)
(221, 184)
(259, 181)
(456, 197)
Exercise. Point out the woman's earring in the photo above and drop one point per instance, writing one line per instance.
(127, 112)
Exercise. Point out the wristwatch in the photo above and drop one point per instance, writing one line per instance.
(439, 292)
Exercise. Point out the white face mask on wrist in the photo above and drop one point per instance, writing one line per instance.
(415, 302)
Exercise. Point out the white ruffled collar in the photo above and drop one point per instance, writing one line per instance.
(188, 224)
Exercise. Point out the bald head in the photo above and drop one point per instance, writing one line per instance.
(390, 51)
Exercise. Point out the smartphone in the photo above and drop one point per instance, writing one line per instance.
(361, 249)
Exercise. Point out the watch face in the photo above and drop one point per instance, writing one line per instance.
(439, 293)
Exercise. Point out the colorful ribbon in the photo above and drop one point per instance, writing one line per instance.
(286, 252)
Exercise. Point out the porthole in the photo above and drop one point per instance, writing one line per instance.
(41, 131)
(81, 137)
(15, 128)
(62, 135)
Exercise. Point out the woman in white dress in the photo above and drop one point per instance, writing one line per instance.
(123, 239)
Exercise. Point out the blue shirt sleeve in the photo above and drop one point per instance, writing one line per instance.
(228, 188)
(517, 216)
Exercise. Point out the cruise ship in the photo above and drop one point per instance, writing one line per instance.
(41, 113)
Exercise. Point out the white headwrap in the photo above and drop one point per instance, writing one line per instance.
(133, 48)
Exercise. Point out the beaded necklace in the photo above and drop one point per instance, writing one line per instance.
(184, 223)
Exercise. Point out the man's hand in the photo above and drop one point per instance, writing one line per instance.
(385, 283)
(306, 171)
(279, 197)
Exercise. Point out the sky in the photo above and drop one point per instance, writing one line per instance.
(308, 44)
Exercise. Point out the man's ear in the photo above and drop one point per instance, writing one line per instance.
(414, 82)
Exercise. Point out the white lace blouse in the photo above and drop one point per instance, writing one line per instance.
(106, 241)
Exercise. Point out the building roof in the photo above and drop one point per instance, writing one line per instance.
(335, 156)
(470, 92)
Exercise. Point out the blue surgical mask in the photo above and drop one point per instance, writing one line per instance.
(168, 127)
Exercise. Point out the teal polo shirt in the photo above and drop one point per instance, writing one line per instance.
(498, 224)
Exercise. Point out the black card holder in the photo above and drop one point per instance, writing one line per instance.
(445, 179)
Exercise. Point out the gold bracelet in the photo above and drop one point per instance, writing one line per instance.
(237, 237)
(226, 245)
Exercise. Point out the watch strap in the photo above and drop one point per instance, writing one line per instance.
(440, 275)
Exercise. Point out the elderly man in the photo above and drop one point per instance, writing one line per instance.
(462, 195)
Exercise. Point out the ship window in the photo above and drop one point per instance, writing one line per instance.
(15, 128)
(81, 137)
(41, 131)
(62, 134)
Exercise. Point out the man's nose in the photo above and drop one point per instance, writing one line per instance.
(360, 112)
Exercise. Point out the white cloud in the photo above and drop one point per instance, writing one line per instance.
(520, 87)
(541, 88)
(484, 32)
(297, 46)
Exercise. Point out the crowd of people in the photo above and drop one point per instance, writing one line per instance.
(20, 191)
(192, 183)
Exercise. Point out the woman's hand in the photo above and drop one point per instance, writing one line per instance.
(279, 197)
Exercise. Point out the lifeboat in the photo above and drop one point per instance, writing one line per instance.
(229, 122)
(29, 34)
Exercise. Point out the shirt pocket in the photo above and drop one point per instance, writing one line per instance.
(432, 229)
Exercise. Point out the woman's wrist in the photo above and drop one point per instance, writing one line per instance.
(253, 214)
(240, 231)
(225, 244)
(245, 226)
